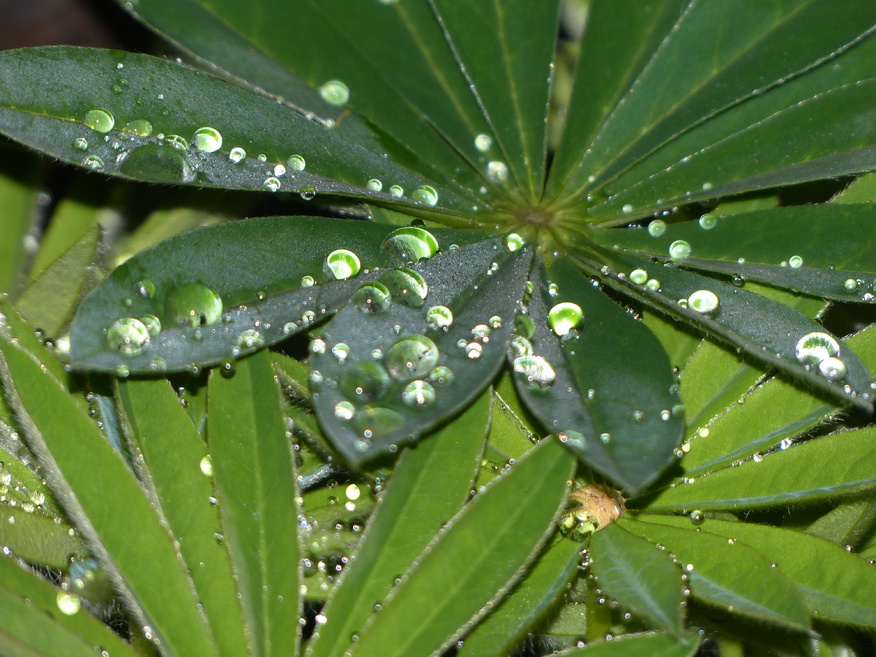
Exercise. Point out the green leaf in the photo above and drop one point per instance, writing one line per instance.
(729, 575)
(638, 575)
(157, 97)
(475, 559)
(64, 438)
(717, 55)
(770, 331)
(835, 584)
(815, 249)
(712, 380)
(506, 50)
(19, 173)
(49, 300)
(33, 624)
(650, 643)
(612, 386)
(373, 371)
(174, 457)
(819, 469)
(849, 524)
(39, 538)
(430, 483)
(256, 489)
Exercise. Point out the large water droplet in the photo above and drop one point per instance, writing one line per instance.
(207, 140)
(365, 381)
(335, 92)
(815, 347)
(193, 304)
(152, 324)
(411, 243)
(708, 221)
(703, 301)
(425, 194)
(342, 264)
(832, 368)
(372, 298)
(129, 336)
(296, 163)
(483, 143)
(411, 357)
(407, 286)
(497, 172)
(535, 371)
(156, 163)
(514, 242)
(439, 317)
(657, 228)
(99, 120)
(639, 276)
(418, 393)
(564, 317)
(679, 249)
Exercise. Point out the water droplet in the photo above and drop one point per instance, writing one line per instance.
(93, 162)
(376, 421)
(307, 281)
(271, 183)
(344, 410)
(128, 336)
(397, 191)
(708, 221)
(177, 142)
(473, 350)
(535, 371)
(657, 228)
(372, 297)
(439, 317)
(795, 262)
(483, 143)
(193, 304)
(411, 357)
(335, 92)
(564, 317)
(418, 393)
(441, 375)
(406, 286)
(653, 284)
(80, 144)
(627, 208)
(206, 466)
(250, 339)
(411, 243)
(703, 301)
(850, 285)
(68, 603)
(679, 249)
(639, 276)
(99, 120)
(514, 242)
(519, 346)
(815, 347)
(237, 154)
(207, 140)
(374, 185)
(307, 193)
(365, 381)
(340, 351)
(342, 264)
(139, 127)
(832, 368)
(296, 163)
(122, 371)
(497, 172)
(152, 324)
(425, 194)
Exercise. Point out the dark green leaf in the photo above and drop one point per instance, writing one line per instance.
(651, 644)
(175, 457)
(430, 483)
(771, 332)
(692, 77)
(816, 249)
(503, 627)
(33, 623)
(380, 370)
(638, 575)
(728, 574)
(475, 559)
(49, 300)
(820, 469)
(506, 49)
(148, 97)
(836, 585)
(612, 386)
(65, 438)
(256, 489)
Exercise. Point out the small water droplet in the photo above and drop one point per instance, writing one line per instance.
(374, 185)
(372, 298)
(411, 357)
(342, 264)
(657, 228)
(177, 142)
(406, 286)
(537, 373)
(296, 163)
(128, 336)
(483, 143)
(703, 301)
(679, 249)
(418, 393)
(237, 154)
(139, 127)
(397, 191)
(815, 347)
(193, 304)
(307, 193)
(639, 276)
(80, 144)
(93, 162)
(564, 317)
(497, 172)
(99, 120)
(335, 92)
(411, 243)
(364, 381)
(271, 183)
(832, 368)
(250, 339)
(152, 324)
(850, 285)
(425, 194)
(441, 375)
(439, 317)
(708, 221)
(514, 242)
(68, 603)
(206, 465)
(795, 262)
(207, 140)
(344, 410)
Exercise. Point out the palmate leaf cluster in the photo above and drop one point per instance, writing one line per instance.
(551, 227)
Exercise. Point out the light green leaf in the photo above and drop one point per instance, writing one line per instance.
(638, 575)
(39, 538)
(729, 575)
(475, 559)
(19, 173)
(174, 457)
(256, 489)
(651, 644)
(64, 438)
(429, 484)
(849, 524)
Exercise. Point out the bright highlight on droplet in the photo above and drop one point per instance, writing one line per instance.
(335, 92)
(483, 143)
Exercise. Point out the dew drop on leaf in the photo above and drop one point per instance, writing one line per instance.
(483, 143)
(406, 286)
(129, 336)
(815, 347)
(679, 249)
(411, 243)
(708, 221)
(372, 298)
(425, 194)
(93, 162)
(513, 242)
(703, 301)
(657, 228)
(439, 317)
(832, 368)
(178, 142)
(497, 172)
(207, 140)
(335, 92)
(296, 163)
(271, 183)
(342, 264)
(374, 185)
(364, 381)
(418, 393)
(68, 603)
(99, 120)
(139, 127)
(411, 357)
(152, 324)
(795, 262)
(80, 144)
(397, 191)
(237, 154)
(639, 276)
(441, 375)
(193, 304)
(564, 317)
(156, 163)
(536, 373)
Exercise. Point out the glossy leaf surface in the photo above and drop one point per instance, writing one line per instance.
(410, 511)
(256, 489)
(612, 386)
(477, 556)
(388, 367)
